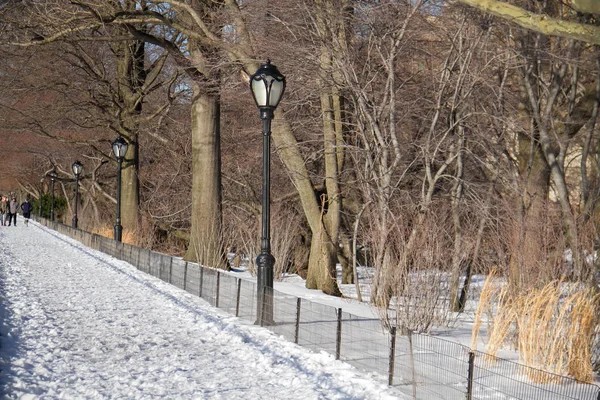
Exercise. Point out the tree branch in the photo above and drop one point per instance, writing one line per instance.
(540, 23)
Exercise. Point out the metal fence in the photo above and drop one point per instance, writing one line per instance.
(421, 366)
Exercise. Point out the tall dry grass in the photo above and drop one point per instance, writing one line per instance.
(553, 327)
(557, 329)
(129, 237)
(485, 301)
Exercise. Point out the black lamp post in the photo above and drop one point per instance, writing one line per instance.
(119, 150)
(41, 195)
(77, 169)
(53, 175)
(267, 86)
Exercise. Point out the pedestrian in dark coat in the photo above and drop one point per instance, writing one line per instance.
(26, 207)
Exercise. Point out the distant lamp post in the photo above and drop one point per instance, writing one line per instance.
(53, 175)
(119, 147)
(41, 195)
(77, 170)
(267, 86)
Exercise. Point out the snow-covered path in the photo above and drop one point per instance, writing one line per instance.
(77, 324)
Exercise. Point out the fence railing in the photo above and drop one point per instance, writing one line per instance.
(421, 366)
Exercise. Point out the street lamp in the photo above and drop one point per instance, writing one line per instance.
(77, 169)
(119, 147)
(53, 175)
(41, 194)
(267, 86)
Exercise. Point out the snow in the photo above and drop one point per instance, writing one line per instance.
(76, 323)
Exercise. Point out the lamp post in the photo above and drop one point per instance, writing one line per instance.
(53, 175)
(119, 147)
(267, 86)
(41, 195)
(77, 169)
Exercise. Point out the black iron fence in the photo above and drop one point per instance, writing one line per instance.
(421, 366)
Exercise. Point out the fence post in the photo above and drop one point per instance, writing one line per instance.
(149, 263)
(170, 269)
(298, 308)
(137, 260)
(201, 283)
(237, 302)
(160, 269)
(338, 342)
(392, 356)
(470, 376)
(185, 276)
(218, 287)
(412, 365)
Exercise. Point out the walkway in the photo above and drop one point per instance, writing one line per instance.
(79, 324)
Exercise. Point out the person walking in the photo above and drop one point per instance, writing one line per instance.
(2, 210)
(5, 210)
(13, 208)
(26, 207)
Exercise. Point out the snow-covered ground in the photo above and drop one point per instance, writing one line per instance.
(78, 324)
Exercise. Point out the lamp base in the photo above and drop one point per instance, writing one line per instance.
(118, 233)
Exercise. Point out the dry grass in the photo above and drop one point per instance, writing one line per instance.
(582, 331)
(485, 299)
(502, 329)
(554, 327)
(127, 236)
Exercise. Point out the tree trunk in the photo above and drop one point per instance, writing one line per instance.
(345, 257)
(321, 266)
(131, 78)
(130, 200)
(205, 246)
(532, 203)
(322, 259)
(457, 194)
